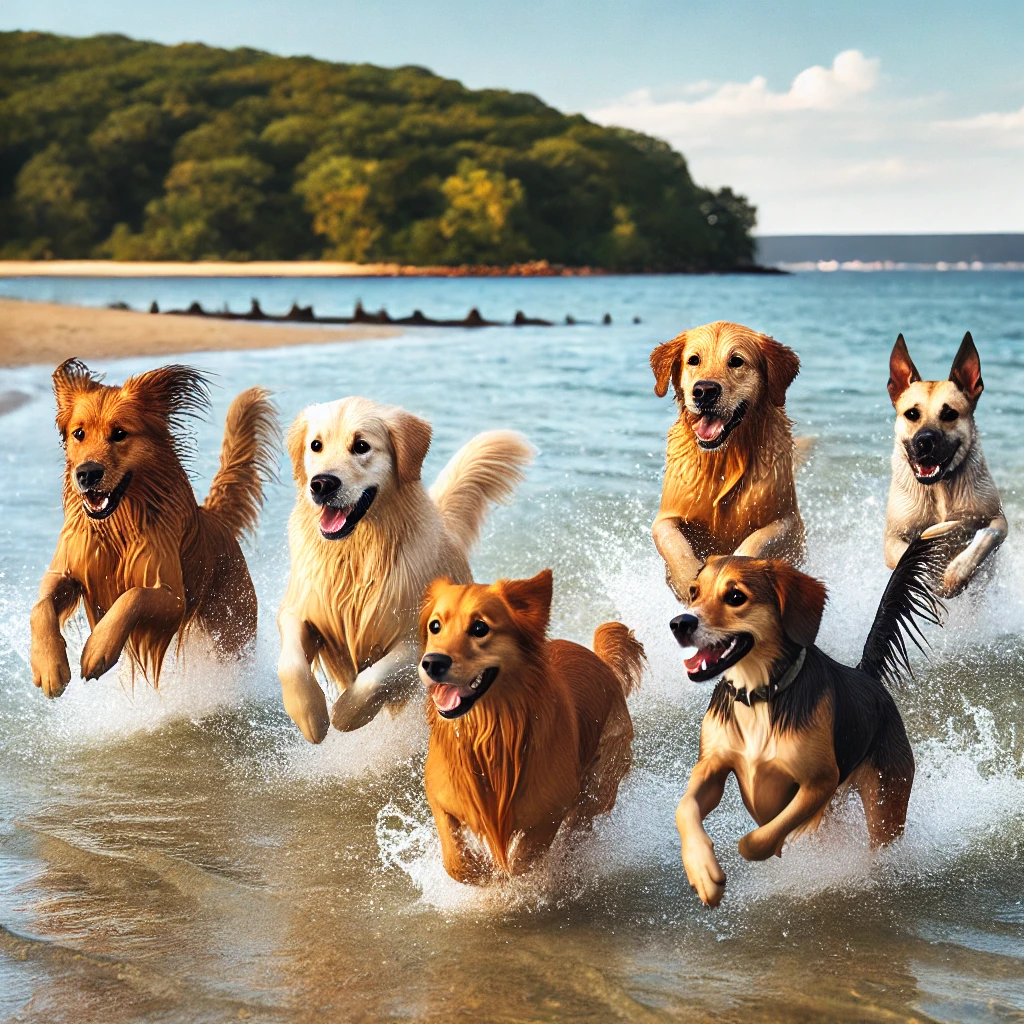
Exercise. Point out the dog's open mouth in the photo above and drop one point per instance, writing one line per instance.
(101, 504)
(712, 430)
(450, 703)
(336, 523)
(929, 470)
(709, 662)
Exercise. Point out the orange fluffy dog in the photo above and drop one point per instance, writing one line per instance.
(525, 733)
(145, 560)
(729, 470)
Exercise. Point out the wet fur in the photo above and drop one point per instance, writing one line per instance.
(740, 497)
(160, 565)
(548, 743)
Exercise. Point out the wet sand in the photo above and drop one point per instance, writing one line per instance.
(43, 332)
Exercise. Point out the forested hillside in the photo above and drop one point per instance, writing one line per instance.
(121, 149)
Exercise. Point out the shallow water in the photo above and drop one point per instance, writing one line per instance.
(186, 855)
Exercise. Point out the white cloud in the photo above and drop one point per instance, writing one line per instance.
(836, 152)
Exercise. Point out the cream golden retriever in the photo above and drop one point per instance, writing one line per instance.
(366, 539)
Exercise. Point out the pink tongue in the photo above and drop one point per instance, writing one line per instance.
(708, 428)
(446, 698)
(333, 519)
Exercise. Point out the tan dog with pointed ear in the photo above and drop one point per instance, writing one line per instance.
(136, 550)
(729, 466)
(366, 538)
(940, 479)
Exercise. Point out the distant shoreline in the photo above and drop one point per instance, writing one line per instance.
(34, 333)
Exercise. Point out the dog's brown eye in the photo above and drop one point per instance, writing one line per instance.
(693, 593)
(317, 445)
(78, 434)
(435, 626)
(734, 598)
(736, 362)
(694, 360)
(949, 415)
(479, 628)
(118, 434)
(913, 415)
(360, 447)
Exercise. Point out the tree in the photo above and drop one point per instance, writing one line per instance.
(478, 224)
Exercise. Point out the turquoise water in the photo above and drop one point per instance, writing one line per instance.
(186, 855)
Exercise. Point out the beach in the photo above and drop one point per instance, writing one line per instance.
(46, 332)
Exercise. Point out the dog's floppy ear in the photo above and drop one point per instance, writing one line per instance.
(297, 448)
(782, 365)
(71, 379)
(902, 371)
(530, 602)
(801, 601)
(410, 439)
(966, 370)
(665, 362)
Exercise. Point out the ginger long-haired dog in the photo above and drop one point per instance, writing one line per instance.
(525, 733)
(146, 561)
(790, 722)
(366, 538)
(939, 474)
(729, 469)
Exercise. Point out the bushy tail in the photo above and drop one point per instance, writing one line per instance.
(485, 470)
(616, 646)
(248, 458)
(906, 602)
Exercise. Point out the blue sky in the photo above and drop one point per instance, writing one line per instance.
(863, 117)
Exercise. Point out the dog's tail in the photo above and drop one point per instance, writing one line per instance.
(906, 603)
(248, 458)
(485, 470)
(616, 646)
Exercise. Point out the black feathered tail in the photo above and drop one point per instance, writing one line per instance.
(906, 602)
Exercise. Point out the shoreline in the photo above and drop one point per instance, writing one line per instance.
(45, 333)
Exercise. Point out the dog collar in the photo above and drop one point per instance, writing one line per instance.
(772, 689)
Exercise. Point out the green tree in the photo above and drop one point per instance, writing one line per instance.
(479, 222)
(49, 196)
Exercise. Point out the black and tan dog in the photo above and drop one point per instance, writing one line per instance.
(939, 475)
(790, 722)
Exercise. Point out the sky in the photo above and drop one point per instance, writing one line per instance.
(857, 118)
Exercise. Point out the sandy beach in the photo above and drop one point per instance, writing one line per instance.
(43, 332)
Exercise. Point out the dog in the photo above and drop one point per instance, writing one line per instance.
(791, 723)
(728, 484)
(939, 474)
(525, 733)
(136, 550)
(366, 538)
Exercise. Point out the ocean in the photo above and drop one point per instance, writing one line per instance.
(186, 855)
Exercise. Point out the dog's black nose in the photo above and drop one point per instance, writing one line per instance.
(926, 442)
(88, 475)
(436, 665)
(322, 486)
(706, 393)
(682, 627)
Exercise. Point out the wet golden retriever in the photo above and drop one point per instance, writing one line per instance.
(525, 733)
(791, 723)
(939, 474)
(728, 484)
(136, 550)
(366, 538)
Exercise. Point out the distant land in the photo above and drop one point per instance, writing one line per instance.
(773, 250)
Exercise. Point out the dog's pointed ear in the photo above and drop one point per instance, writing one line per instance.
(71, 379)
(666, 362)
(297, 448)
(530, 602)
(902, 371)
(782, 365)
(801, 601)
(172, 392)
(410, 439)
(966, 370)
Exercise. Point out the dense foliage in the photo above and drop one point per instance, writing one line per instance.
(131, 150)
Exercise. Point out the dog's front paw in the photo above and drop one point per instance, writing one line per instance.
(758, 845)
(941, 529)
(100, 654)
(51, 671)
(357, 706)
(306, 706)
(703, 872)
(956, 577)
